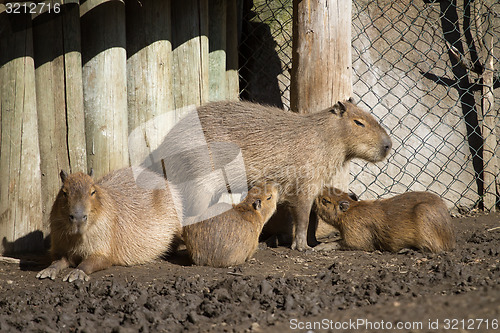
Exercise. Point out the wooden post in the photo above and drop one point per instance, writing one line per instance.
(149, 72)
(61, 122)
(190, 52)
(20, 183)
(217, 50)
(105, 84)
(321, 60)
(490, 122)
(232, 83)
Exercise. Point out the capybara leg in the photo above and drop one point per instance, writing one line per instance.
(312, 228)
(88, 266)
(301, 220)
(54, 268)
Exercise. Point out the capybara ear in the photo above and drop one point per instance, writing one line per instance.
(63, 175)
(342, 108)
(353, 196)
(91, 172)
(257, 204)
(339, 109)
(352, 100)
(344, 206)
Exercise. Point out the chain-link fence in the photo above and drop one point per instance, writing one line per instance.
(427, 70)
(266, 52)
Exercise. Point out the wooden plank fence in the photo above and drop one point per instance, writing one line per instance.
(20, 176)
(75, 84)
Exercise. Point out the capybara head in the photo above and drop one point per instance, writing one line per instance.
(362, 134)
(79, 199)
(332, 203)
(263, 198)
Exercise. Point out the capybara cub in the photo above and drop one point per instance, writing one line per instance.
(117, 220)
(299, 152)
(418, 220)
(232, 237)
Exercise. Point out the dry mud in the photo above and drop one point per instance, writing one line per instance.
(278, 290)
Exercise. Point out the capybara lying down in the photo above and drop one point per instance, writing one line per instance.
(117, 220)
(418, 220)
(232, 237)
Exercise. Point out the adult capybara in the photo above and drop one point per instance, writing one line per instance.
(117, 220)
(417, 220)
(299, 152)
(232, 237)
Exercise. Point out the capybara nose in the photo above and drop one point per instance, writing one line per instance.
(78, 218)
(387, 144)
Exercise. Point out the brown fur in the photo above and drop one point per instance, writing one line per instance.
(231, 238)
(299, 152)
(411, 220)
(113, 221)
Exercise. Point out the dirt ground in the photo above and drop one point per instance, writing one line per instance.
(278, 290)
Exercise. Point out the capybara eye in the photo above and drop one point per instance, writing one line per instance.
(65, 193)
(357, 122)
(325, 201)
(92, 193)
(270, 197)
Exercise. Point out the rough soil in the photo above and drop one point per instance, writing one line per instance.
(278, 290)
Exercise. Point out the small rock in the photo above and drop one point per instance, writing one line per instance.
(255, 327)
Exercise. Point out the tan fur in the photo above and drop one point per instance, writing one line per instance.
(299, 152)
(127, 222)
(411, 220)
(231, 238)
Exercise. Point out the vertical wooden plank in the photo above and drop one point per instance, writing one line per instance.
(321, 64)
(61, 126)
(232, 83)
(190, 52)
(105, 84)
(217, 50)
(20, 183)
(75, 116)
(321, 67)
(489, 123)
(149, 71)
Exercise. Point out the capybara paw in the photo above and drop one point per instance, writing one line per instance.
(299, 246)
(327, 246)
(49, 272)
(76, 274)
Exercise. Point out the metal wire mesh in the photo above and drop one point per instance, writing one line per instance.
(266, 52)
(421, 67)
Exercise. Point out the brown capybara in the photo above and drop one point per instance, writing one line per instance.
(418, 220)
(299, 152)
(232, 237)
(126, 218)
